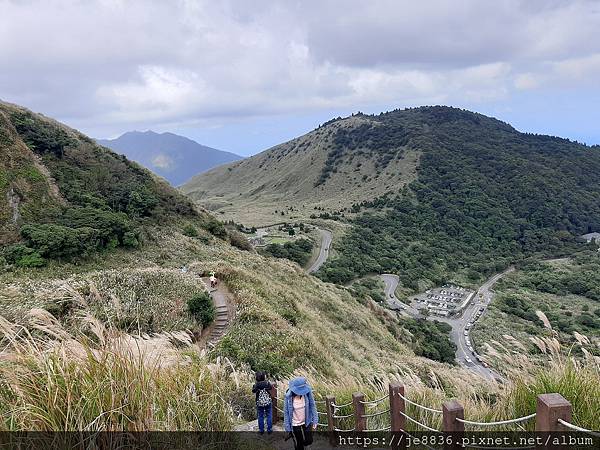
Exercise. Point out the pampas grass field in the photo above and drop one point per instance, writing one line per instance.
(109, 346)
(106, 380)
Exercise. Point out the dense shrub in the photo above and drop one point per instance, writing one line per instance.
(108, 225)
(369, 288)
(56, 241)
(202, 308)
(22, 256)
(238, 240)
(141, 202)
(431, 339)
(517, 306)
(190, 230)
(298, 251)
(41, 136)
(216, 228)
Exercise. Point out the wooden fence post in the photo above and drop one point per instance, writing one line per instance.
(274, 405)
(397, 405)
(451, 411)
(329, 402)
(550, 408)
(359, 412)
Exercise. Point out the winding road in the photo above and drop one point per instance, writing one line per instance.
(481, 299)
(326, 238)
(391, 283)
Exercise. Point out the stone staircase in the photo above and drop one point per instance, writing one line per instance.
(222, 299)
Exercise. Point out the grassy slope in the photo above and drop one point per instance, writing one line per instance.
(284, 177)
(286, 319)
(500, 333)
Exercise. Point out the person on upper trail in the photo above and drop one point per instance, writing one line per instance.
(213, 280)
(264, 404)
(300, 416)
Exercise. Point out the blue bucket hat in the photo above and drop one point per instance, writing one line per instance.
(299, 386)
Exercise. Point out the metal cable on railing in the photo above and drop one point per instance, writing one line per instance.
(375, 414)
(416, 422)
(501, 422)
(576, 428)
(426, 408)
(378, 430)
(341, 406)
(369, 402)
(342, 417)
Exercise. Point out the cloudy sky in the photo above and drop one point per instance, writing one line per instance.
(245, 75)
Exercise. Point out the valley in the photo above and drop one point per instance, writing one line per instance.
(91, 265)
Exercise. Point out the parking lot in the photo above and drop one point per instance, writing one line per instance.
(445, 301)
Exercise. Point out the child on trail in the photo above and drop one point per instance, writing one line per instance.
(300, 412)
(263, 402)
(213, 280)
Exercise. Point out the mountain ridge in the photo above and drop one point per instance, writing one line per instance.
(171, 156)
(408, 181)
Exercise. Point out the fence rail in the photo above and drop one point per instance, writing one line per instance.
(576, 428)
(553, 413)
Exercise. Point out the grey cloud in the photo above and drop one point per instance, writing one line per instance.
(116, 64)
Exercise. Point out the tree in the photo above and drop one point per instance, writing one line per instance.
(202, 308)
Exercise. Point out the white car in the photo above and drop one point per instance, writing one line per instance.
(468, 360)
(466, 333)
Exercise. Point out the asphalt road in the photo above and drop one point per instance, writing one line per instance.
(458, 324)
(326, 238)
(391, 283)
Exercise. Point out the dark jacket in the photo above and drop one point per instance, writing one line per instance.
(261, 385)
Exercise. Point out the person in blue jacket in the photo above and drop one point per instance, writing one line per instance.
(300, 416)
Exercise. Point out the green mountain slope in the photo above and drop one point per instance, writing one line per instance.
(64, 196)
(87, 232)
(431, 192)
(306, 173)
(486, 196)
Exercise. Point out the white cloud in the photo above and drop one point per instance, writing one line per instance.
(162, 161)
(128, 64)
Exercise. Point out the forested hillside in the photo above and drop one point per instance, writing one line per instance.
(64, 196)
(486, 195)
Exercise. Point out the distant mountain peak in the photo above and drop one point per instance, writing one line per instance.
(173, 157)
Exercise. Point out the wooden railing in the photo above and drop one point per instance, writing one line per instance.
(552, 414)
